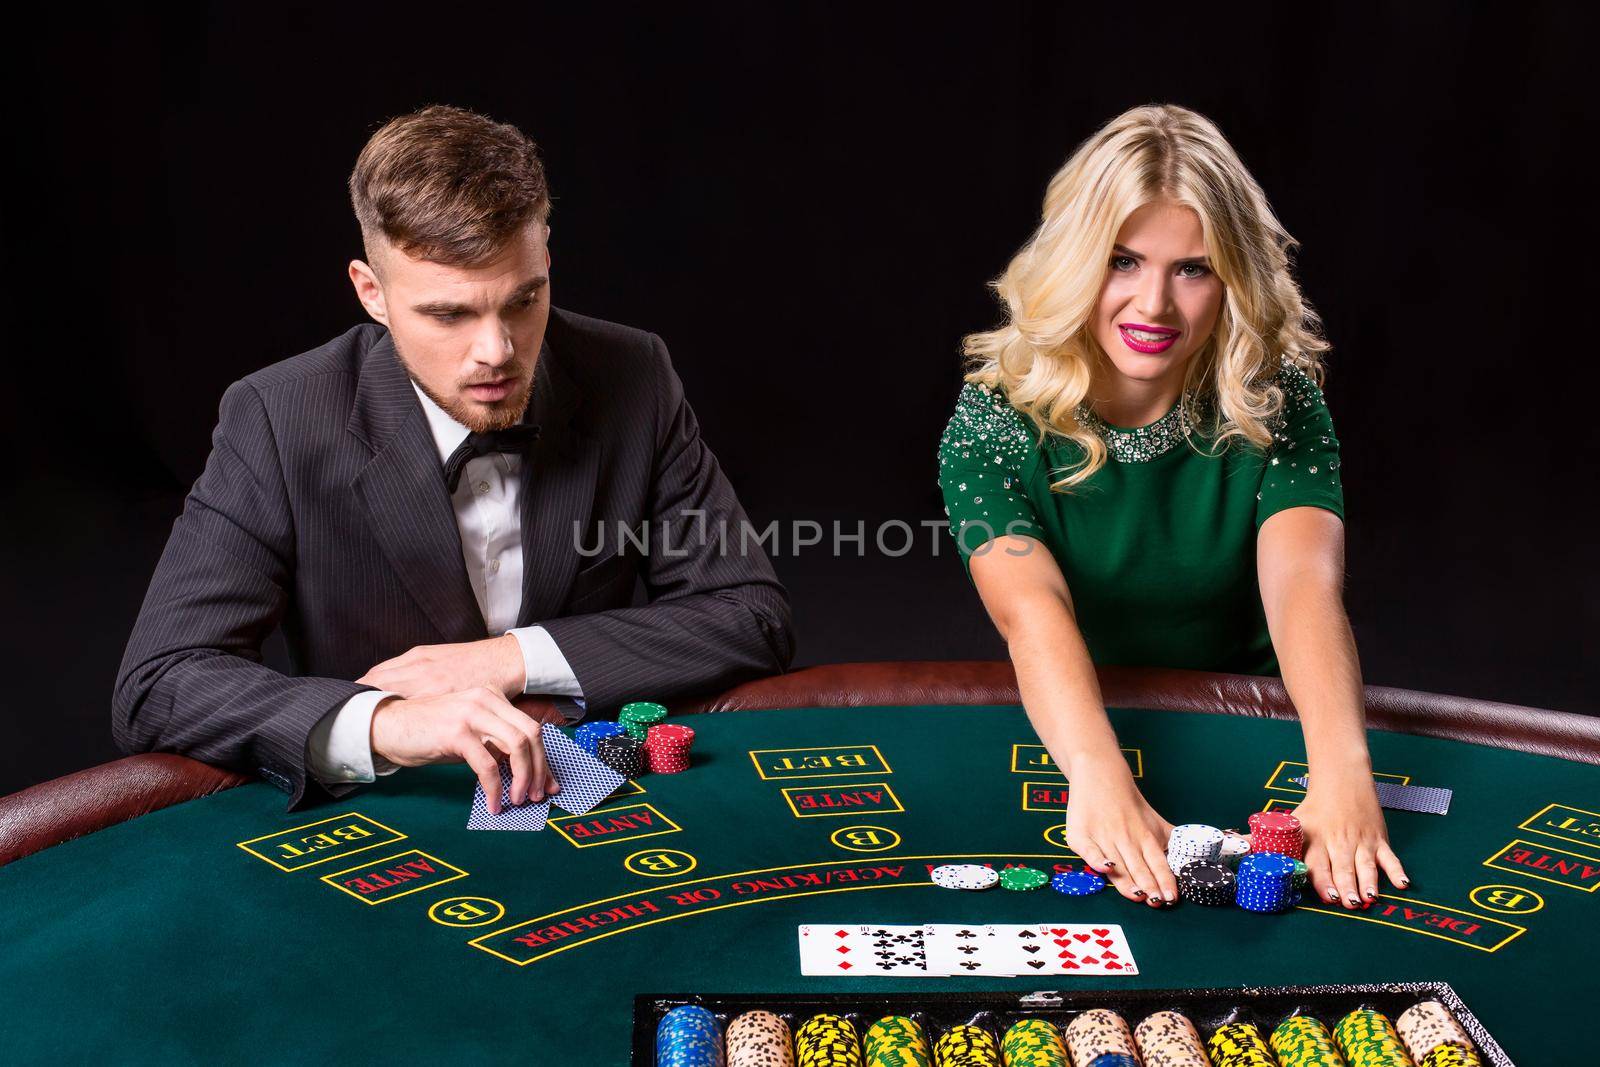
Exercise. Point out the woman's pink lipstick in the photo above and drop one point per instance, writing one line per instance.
(1154, 339)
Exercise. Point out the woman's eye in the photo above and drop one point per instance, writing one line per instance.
(1200, 271)
(1122, 263)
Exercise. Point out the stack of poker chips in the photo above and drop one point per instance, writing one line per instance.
(1033, 1043)
(967, 1046)
(622, 754)
(1101, 1037)
(589, 734)
(1210, 884)
(1434, 1038)
(1023, 879)
(1193, 843)
(1234, 847)
(1169, 1039)
(666, 748)
(1265, 883)
(1301, 1041)
(759, 1039)
(689, 1036)
(1279, 832)
(1366, 1036)
(897, 1041)
(1239, 1044)
(1083, 883)
(639, 716)
(827, 1041)
(973, 876)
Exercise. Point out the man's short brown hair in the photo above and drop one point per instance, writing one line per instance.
(447, 185)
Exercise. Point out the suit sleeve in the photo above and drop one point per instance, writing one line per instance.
(191, 680)
(717, 613)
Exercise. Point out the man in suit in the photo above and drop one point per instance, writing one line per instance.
(417, 504)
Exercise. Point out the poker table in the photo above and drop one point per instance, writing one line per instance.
(156, 909)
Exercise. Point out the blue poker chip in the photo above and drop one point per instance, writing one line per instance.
(689, 1036)
(1077, 883)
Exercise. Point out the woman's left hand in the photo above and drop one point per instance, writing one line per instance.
(1346, 840)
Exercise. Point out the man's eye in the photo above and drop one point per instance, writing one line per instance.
(448, 318)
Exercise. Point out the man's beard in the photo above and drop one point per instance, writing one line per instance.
(477, 418)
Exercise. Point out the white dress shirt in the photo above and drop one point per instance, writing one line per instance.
(488, 508)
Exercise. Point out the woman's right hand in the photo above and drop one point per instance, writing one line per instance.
(1118, 833)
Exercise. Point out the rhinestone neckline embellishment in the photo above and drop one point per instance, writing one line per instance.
(1145, 443)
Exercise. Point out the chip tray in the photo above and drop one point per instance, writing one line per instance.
(938, 1012)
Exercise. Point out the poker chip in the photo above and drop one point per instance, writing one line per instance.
(1210, 884)
(1366, 1037)
(1451, 1056)
(1077, 883)
(1279, 832)
(1169, 1039)
(759, 1039)
(1193, 842)
(638, 717)
(589, 734)
(1100, 1032)
(1265, 883)
(827, 1041)
(1239, 1044)
(1033, 1043)
(666, 747)
(1301, 1041)
(965, 876)
(689, 1036)
(622, 754)
(967, 1045)
(1023, 879)
(1234, 847)
(897, 1041)
(1427, 1027)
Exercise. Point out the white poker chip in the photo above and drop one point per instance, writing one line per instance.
(965, 876)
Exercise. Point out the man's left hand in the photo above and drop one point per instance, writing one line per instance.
(429, 670)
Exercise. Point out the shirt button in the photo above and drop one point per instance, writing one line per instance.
(494, 566)
(482, 487)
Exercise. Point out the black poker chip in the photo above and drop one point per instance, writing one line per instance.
(1210, 884)
(621, 753)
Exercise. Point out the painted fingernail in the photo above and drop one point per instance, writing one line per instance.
(1354, 900)
(1404, 882)
(1372, 894)
(1138, 892)
(1333, 894)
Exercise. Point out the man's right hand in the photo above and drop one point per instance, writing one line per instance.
(478, 727)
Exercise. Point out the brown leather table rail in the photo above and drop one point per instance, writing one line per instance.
(68, 807)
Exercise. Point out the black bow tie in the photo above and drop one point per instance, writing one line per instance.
(515, 440)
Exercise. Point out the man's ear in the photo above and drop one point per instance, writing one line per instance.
(369, 291)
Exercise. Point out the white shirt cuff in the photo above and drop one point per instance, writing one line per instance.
(547, 669)
(339, 749)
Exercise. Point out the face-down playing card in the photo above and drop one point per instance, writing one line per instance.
(520, 817)
(584, 780)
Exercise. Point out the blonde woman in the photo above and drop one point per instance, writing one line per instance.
(1141, 470)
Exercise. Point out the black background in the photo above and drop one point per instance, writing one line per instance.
(807, 204)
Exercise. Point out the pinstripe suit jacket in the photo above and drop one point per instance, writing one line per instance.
(322, 509)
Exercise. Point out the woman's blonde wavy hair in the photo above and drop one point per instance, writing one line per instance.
(1043, 354)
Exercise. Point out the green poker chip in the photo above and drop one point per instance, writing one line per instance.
(1022, 878)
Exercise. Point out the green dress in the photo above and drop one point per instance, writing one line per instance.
(1158, 547)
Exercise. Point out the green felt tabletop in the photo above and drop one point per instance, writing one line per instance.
(162, 939)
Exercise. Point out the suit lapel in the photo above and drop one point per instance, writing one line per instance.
(557, 488)
(403, 490)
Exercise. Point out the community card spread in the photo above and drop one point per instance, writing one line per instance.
(1065, 949)
(585, 781)
(520, 817)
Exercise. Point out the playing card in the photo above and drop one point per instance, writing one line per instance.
(584, 780)
(897, 952)
(1424, 799)
(954, 949)
(519, 817)
(1065, 949)
(841, 950)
